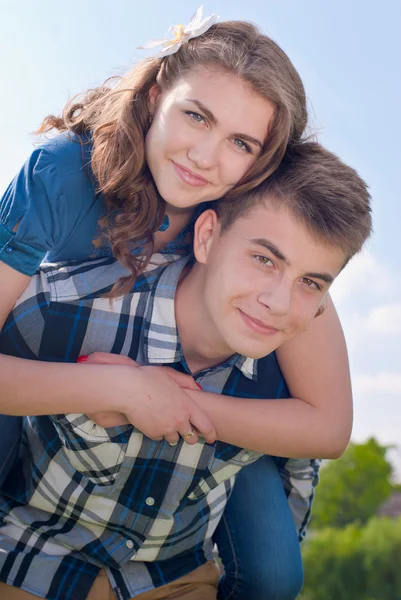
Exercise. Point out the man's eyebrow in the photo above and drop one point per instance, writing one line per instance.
(323, 276)
(271, 247)
(327, 277)
(208, 113)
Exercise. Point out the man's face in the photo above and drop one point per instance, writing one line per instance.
(263, 279)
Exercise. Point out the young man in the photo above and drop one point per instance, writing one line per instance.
(86, 500)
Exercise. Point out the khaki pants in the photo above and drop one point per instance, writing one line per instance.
(200, 584)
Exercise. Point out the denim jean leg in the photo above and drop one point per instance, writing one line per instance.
(257, 539)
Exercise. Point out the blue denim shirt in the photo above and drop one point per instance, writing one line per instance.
(54, 202)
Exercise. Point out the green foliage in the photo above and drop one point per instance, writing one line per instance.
(353, 487)
(354, 563)
(382, 558)
(332, 564)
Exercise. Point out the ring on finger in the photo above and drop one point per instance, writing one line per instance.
(189, 435)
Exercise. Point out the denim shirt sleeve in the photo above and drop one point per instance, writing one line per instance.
(51, 207)
(31, 214)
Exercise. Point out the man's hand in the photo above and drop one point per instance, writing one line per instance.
(161, 407)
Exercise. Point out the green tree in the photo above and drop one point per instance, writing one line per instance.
(333, 565)
(354, 563)
(381, 542)
(353, 487)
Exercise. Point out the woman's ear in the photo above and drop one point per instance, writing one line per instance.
(206, 230)
(153, 97)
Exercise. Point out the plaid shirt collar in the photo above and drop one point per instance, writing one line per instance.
(162, 321)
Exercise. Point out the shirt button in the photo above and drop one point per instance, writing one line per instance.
(9, 249)
(129, 544)
(245, 458)
(150, 501)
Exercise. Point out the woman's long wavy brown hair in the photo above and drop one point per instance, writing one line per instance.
(116, 116)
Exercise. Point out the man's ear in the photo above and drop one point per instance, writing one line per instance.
(153, 97)
(207, 229)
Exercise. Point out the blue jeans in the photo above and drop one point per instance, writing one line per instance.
(257, 539)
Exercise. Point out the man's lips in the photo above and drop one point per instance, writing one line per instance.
(188, 176)
(258, 326)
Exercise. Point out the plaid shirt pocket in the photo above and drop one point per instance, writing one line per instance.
(224, 464)
(95, 452)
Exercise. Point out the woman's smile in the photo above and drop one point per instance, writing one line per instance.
(207, 132)
(188, 176)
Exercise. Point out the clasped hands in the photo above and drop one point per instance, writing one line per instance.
(164, 407)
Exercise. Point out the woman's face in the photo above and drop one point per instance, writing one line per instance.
(208, 130)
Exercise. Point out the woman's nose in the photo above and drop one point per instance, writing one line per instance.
(205, 152)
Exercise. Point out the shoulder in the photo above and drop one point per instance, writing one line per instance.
(69, 155)
(51, 199)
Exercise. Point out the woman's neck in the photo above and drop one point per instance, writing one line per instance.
(178, 218)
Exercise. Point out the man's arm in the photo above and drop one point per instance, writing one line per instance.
(300, 478)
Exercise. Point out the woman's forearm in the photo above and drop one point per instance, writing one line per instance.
(317, 420)
(286, 427)
(152, 398)
(40, 388)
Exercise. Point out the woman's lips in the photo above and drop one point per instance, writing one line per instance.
(188, 176)
(257, 325)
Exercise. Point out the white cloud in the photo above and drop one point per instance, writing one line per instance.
(366, 296)
(380, 383)
(377, 412)
(364, 278)
(385, 319)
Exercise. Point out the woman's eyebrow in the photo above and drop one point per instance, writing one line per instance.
(208, 113)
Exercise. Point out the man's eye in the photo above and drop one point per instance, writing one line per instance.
(263, 260)
(311, 284)
(195, 116)
(242, 145)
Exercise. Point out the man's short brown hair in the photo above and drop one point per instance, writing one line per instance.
(322, 192)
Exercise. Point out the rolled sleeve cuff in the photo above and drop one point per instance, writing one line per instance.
(16, 254)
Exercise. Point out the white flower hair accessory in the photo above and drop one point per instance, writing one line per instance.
(182, 34)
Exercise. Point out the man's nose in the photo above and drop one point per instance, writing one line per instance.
(205, 152)
(276, 296)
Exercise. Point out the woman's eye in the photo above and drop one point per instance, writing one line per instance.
(195, 116)
(263, 260)
(311, 284)
(242, 145)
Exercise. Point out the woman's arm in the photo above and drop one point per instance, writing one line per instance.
(159, 405)
(31, 387)
(317, 421)
(316, 369)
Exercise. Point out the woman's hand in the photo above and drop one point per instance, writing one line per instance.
(160, 407)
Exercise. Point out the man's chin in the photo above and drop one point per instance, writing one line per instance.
(256, 353)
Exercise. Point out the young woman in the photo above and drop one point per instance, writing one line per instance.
(130, 168)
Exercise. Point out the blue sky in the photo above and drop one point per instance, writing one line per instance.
(348, 56)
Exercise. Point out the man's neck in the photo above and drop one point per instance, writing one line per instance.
(201, 346)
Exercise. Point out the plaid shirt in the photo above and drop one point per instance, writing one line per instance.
(83, 497)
